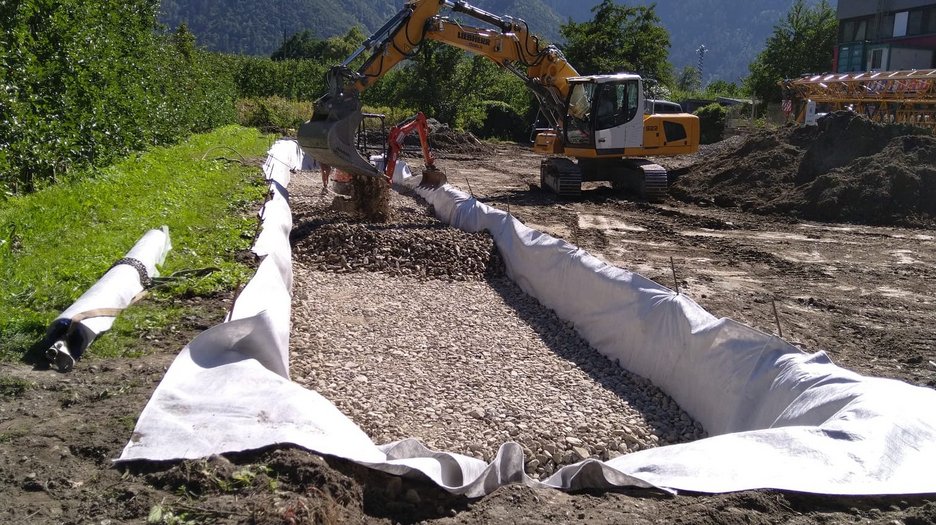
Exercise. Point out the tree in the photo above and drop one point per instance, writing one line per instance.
(304, 46)
(688, 79)
(802, 42)
(722, 88)
(338, 48)
(619, 38)
(300, 45)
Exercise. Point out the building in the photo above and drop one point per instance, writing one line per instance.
(885, 35)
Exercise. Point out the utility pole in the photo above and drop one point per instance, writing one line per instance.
(701, 51)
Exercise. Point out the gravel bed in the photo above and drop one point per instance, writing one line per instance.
(464, 365)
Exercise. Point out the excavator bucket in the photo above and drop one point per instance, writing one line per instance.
(433, 177)
(329, 135)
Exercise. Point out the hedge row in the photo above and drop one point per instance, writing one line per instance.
(86, 82)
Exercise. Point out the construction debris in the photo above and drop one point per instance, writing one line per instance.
(371, 197)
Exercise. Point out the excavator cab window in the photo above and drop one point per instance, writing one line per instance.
(578, 126)
(616, 104)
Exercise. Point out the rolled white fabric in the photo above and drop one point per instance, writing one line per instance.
(95, 311)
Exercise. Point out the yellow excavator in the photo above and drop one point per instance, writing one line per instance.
(604, 122)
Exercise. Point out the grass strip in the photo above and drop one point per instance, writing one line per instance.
(55, 243)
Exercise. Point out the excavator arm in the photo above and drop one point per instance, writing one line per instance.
(398, 133)
(329, 135)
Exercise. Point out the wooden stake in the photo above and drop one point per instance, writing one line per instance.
(776, 317)
(673, 268)
(469, 187)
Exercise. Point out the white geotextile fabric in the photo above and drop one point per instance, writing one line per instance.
(120, 284)
(781, 418)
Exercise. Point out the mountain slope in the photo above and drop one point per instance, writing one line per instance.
(733, 32)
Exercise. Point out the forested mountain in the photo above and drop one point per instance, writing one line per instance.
(733, 31)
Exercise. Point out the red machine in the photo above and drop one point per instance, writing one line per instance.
(432, 176)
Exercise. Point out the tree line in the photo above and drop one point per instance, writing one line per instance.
(85, 82)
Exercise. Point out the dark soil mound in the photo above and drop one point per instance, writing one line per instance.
(846, 169)
(444, 139)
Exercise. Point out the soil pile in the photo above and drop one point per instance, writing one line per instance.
(414, 244)
(845, 169)
(444, 139)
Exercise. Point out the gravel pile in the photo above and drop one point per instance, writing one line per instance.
(415, 244)
(462, 365)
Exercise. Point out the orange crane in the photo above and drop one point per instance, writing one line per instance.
(907, 97)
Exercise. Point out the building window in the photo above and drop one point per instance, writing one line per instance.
(900, 24)
(877, 57)
(887, 26)
(915, 22)
(861, 30)
(855, 30)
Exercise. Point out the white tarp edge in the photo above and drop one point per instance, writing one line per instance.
(781, 418)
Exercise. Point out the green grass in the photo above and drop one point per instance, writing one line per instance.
(14, 386)
(54, 244)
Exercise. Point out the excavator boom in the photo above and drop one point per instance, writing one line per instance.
(329, 135)
(600, 120)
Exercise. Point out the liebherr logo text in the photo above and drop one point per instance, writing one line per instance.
(471, 37)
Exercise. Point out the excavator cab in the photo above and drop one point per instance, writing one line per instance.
(603, 113)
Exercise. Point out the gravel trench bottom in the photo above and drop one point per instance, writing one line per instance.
(463, 362)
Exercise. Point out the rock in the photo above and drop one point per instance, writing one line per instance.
(580, 453)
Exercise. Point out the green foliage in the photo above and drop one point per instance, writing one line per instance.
(451, 86)
(274, 113)
(619, 38)
(688, 79)
(712, 121)
(501, 121)
(94, 81)
(801, 43)
(257, 77)
(304, 45)
(300, 45)
(722, 88)
(49, 258)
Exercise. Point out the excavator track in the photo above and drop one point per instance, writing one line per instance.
(562, 176)
(655, 182)
(647, 179)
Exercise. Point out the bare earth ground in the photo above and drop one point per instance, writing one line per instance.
(863, 294)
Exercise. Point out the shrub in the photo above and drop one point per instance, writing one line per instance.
(272, 113)
(712, 121)
(502, 121)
